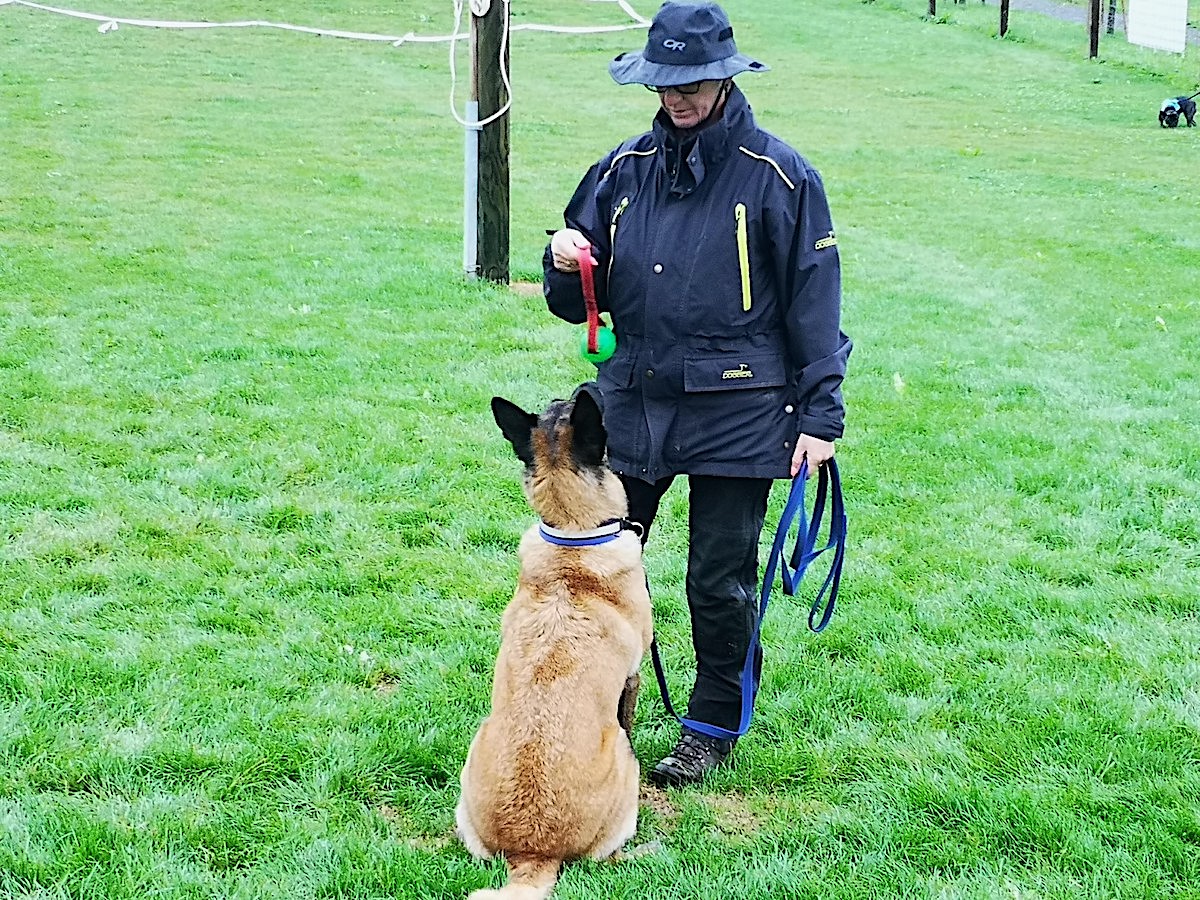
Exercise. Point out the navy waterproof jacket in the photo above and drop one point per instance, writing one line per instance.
(720, 271)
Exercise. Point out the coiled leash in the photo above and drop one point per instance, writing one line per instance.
(829, 487)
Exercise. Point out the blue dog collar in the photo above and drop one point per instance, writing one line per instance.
(594, 537)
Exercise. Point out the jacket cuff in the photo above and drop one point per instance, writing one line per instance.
(820, 428)
(563, 291)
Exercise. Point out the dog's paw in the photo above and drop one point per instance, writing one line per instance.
(650, 848)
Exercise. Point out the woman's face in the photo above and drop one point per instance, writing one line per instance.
(689, 110)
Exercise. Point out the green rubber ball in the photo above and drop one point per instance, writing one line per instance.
(606, 345)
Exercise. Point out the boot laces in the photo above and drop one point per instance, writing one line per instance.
(693, 750)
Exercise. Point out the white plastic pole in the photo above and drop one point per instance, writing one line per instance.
(471, 191)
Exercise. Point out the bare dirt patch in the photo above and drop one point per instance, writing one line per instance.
(386, 684)
(657, 801)
(526, 288)
(733, 815)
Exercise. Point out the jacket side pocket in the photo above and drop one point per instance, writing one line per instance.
(733, 371)
(617, 373)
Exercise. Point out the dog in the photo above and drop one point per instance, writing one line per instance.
(551, 775)
(1174, 107)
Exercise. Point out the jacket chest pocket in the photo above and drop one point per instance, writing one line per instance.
(741, 235)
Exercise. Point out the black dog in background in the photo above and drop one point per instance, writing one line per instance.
(1173, 108)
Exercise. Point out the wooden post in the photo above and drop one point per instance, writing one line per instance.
(933, 9)
(1003, 17)
(1112, 16)
(489, 51)
(1094, 29)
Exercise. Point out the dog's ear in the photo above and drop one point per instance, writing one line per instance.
(587, 424)
(593, 389)
(517, 426)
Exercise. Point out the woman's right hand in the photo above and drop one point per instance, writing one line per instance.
(565, 246)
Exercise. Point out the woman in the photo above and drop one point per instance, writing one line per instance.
(716, 258)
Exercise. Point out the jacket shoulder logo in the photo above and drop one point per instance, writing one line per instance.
(742, 371)
(824, 242)
(672, 44)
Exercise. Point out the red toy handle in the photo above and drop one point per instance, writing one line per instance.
(589, 298)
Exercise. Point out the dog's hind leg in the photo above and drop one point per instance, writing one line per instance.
(627, 705)
(467, 832)
(620, 818)
(464, 814)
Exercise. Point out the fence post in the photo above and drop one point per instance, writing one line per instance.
(489, 57)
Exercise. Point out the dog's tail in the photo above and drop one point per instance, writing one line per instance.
(529, 878)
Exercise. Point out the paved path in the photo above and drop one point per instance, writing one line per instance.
(1069, 12)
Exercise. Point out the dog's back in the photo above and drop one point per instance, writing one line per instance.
(551, 775)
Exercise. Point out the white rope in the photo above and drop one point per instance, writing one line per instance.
(481, 7)
(113, 21)
(478, 8)
(458, 9)
(629, 11)
(484, 5)
(110, 21)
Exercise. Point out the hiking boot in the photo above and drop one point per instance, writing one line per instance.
(694, 756)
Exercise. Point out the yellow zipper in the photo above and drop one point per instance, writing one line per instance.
(739, 214)
(612, 233)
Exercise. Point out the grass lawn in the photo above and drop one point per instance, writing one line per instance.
(257, 526)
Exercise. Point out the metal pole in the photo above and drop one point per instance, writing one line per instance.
(471, 192)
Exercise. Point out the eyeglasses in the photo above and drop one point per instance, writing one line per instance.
(692, 87)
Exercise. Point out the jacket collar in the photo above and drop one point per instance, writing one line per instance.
(695, 153)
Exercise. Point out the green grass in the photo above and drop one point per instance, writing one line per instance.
(257, 527)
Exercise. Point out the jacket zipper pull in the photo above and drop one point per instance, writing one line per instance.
(743, 244)
(612, 226)
(612, 232)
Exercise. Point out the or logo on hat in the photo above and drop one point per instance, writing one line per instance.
(672, 44)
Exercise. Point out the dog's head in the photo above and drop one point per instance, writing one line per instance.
(1168, 115)
(567, 479)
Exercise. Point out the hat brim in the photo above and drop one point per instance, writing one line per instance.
(633, 68)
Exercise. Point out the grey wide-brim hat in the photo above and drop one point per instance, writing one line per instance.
(687, 42)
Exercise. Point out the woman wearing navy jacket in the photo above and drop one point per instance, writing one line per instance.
(717, 261)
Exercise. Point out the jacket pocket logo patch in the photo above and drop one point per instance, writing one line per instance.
(742, 371)
(824, 242)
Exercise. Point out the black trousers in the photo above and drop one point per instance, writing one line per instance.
(725, 519)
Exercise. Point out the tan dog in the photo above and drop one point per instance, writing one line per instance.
(551, 775)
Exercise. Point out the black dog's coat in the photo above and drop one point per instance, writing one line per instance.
(1173, 108)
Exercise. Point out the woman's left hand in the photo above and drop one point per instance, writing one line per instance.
(815, 450)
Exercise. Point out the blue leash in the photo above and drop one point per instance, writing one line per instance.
(792, 569)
